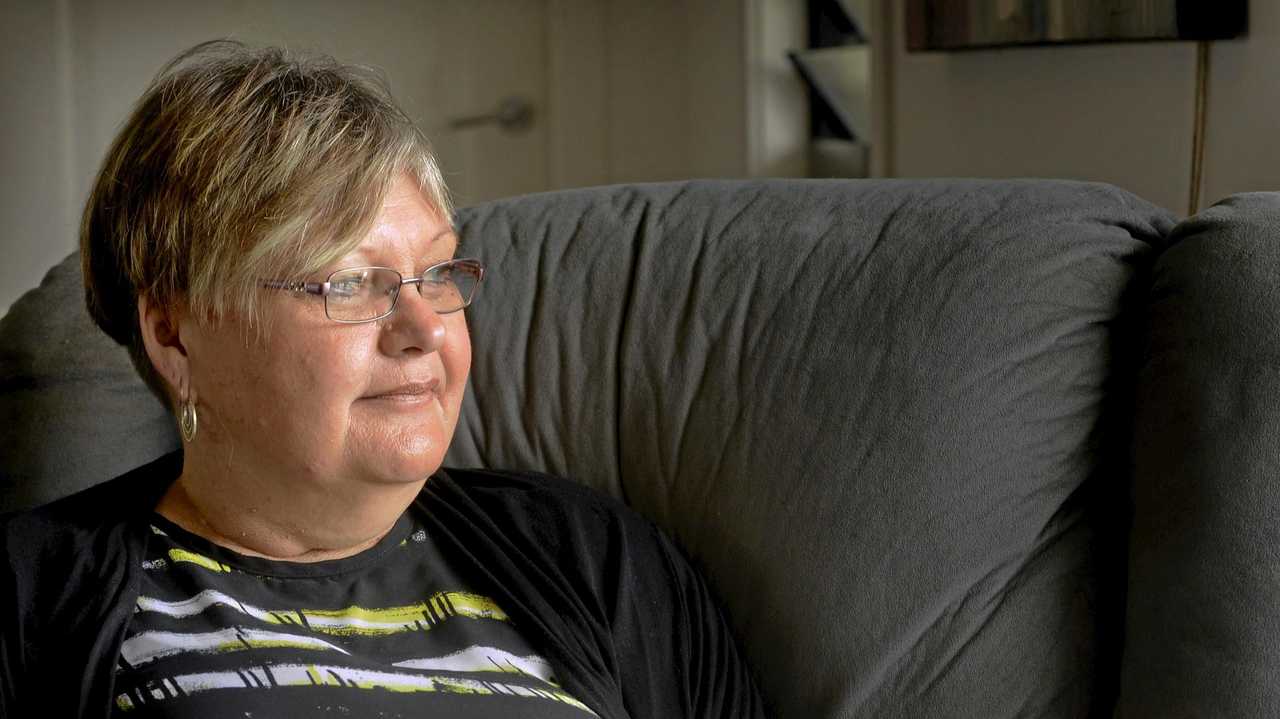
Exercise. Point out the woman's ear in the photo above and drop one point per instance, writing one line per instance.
(163, 342)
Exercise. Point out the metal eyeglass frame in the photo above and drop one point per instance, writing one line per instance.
(323, 289)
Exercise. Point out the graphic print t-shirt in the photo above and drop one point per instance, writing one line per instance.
(390, 632)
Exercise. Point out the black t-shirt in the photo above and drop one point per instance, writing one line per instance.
(628, 625)
(390, 632)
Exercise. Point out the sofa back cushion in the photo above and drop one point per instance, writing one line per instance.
(72, 408)
(890, 419)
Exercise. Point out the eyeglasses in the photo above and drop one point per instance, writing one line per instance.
(365, 294)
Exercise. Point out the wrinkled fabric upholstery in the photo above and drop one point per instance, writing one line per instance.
(72, 408)
(890, 419)
(1203, 633)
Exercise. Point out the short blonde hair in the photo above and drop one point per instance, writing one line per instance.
(239, 164)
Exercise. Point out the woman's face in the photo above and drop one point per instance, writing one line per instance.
(331, 403)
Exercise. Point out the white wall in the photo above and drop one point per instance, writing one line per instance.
(37, 187)
(1243, 138)
(1119, 113)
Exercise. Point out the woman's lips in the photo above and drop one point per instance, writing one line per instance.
(410, 392)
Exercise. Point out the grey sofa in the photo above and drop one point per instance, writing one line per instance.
(948, 448)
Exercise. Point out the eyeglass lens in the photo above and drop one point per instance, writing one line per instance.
(368, 293)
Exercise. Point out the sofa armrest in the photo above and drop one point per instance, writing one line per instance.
(1203, 618)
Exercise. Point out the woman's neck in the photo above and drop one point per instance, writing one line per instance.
(280, 521)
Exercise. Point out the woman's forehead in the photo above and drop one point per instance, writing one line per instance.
(406, 215)
(393, 249)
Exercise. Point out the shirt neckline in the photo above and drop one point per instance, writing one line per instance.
(190, 541)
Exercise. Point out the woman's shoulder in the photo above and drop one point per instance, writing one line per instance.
(78, 525)
(576, 559)
(527, 483)
(563, 519)
(65, 573)
(533, 494)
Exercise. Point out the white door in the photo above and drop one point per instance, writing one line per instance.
(445, 60)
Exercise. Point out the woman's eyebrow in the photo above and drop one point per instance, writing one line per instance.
(443, 233)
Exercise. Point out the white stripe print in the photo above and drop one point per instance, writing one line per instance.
(484, 659)
(198, 603)
(297, 675)
(150, 646)
(345, 621)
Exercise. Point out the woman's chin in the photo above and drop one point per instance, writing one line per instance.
(409, 459)
(401, 449)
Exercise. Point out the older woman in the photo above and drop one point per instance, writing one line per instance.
(270, 237)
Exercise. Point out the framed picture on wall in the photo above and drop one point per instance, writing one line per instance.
(969, 24)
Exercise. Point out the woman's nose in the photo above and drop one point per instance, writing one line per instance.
(413, 325)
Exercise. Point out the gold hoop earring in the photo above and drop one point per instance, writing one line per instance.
(188, 422)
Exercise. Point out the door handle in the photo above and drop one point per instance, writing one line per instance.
(514, 114)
